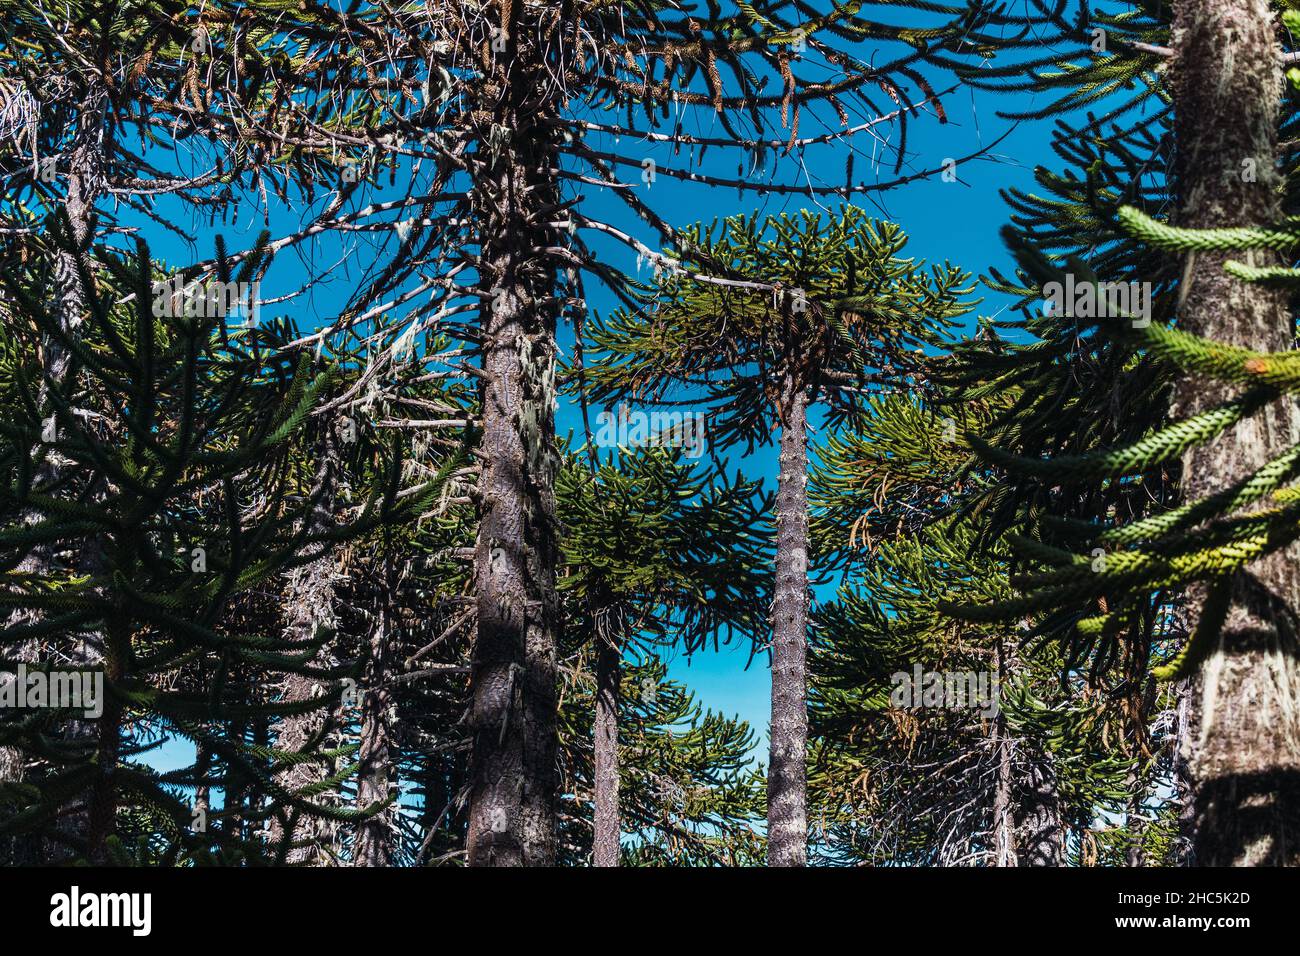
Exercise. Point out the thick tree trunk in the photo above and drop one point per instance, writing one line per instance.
(513, 773)
(309, 609)
(1245, 760)
(375, 777)
(1040, 834)
(787, 797)
(605, 844)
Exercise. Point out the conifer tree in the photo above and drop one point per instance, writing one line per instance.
(207, 88)
(1202, 545)
(174, 433)
(1002, 772)
(802, 312)
(654, 554)
(688, 792)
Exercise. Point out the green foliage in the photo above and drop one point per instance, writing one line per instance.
(689, 793)
(893, 783)
(656, 551)
(752, 307)
(159, 491)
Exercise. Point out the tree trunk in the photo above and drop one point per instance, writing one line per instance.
(1040, 834)
(1184, 788)
(1141, 703)
(1134, 822)
(513, 773)
(605, 844)
(1004, 843)
(375, 777)
(101, 812)
(787, 796)
(202, 791)
(1245, 760)
(235, 787)
(309, 609)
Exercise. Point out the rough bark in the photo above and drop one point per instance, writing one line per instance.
(1244, 760)
(101, 813)
(1141, 702)
(605, 844)
(375, 776)
(787, 797)
(1040, 834)
(235, 788)
(1004, 843)
(513, 774)
(1027, 823)
(309, 609)
(202, 790)
(1134, 822)
(1184, 789)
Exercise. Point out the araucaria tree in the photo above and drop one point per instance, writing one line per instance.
(758, 322)
(1172, 517)
(1225, 85)
(175, 438)
(656, 555)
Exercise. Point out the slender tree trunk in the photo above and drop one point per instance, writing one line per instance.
(1134, 824)
(1245, 760)
(236, 787)
(86, 184)
(375, 777)
(202, 791)
(436, 798)
(1184, 788)
(309, 608)
(1004, 843)
(513, 773)
(605, 845)
(787, 796)
(1028, 827)
(1142, 698)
